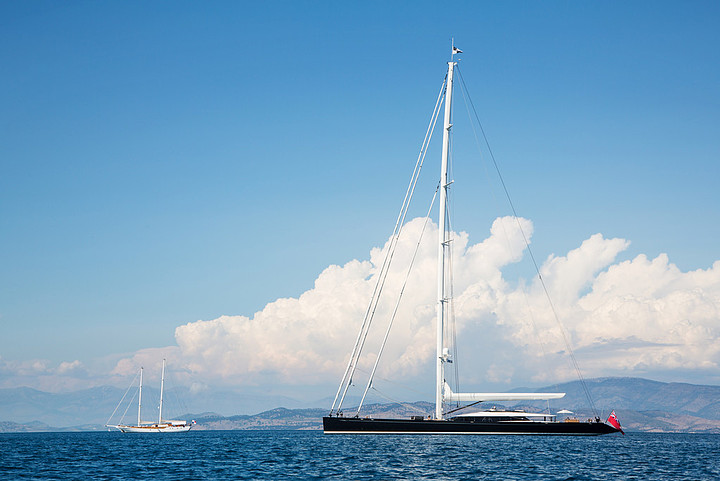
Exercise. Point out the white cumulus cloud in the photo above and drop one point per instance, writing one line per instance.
(632, 317)
(68, 367)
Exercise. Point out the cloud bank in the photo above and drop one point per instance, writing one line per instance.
(633, 317)
(636, 317)
(42, 374)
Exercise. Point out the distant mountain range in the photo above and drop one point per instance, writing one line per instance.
(641, 405)
(24, 405)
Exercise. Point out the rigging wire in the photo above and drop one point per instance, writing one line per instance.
(393, 244)
(408, 406)
(451, 321)
(450, 209)
(460, 408)
(128, 406)
(393, 382)
(370, 312)
(397, 304)
(530, 310)
(123, 398)
(524, 292)
(532, 256)
(178, 404)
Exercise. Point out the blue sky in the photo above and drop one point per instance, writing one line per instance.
(168, 162)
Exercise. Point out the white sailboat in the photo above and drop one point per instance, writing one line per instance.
(490, 421)
(162, 425)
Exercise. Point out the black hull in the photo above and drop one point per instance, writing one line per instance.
(338, 425)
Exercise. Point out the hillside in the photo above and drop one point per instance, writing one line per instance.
(95, 405)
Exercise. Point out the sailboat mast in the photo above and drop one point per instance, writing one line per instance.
(443, 247)
(162, 385)
(140, 397)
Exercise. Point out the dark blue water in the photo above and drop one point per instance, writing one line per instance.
(220, 455)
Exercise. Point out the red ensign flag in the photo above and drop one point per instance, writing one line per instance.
(613, 420)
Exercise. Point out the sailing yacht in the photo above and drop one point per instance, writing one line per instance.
(488, 421)
(162, 425)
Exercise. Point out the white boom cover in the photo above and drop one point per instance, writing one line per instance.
(498, 396)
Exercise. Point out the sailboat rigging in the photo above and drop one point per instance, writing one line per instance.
(492, 421)
(162, 425)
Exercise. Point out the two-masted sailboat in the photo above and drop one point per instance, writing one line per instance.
(162, 425)
(489, 421)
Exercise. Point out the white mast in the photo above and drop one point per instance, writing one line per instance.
(139, 397)
(443, 391)
(443, 246)
(162, 384)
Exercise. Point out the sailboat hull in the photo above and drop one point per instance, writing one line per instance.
(154, 429)
(340, 425)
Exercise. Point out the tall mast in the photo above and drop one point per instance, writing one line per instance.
(443, 246)
(140, 397)
(162, 384)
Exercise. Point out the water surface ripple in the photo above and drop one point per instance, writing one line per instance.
(246, 455)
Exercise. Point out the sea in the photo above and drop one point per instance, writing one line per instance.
(241, 455)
